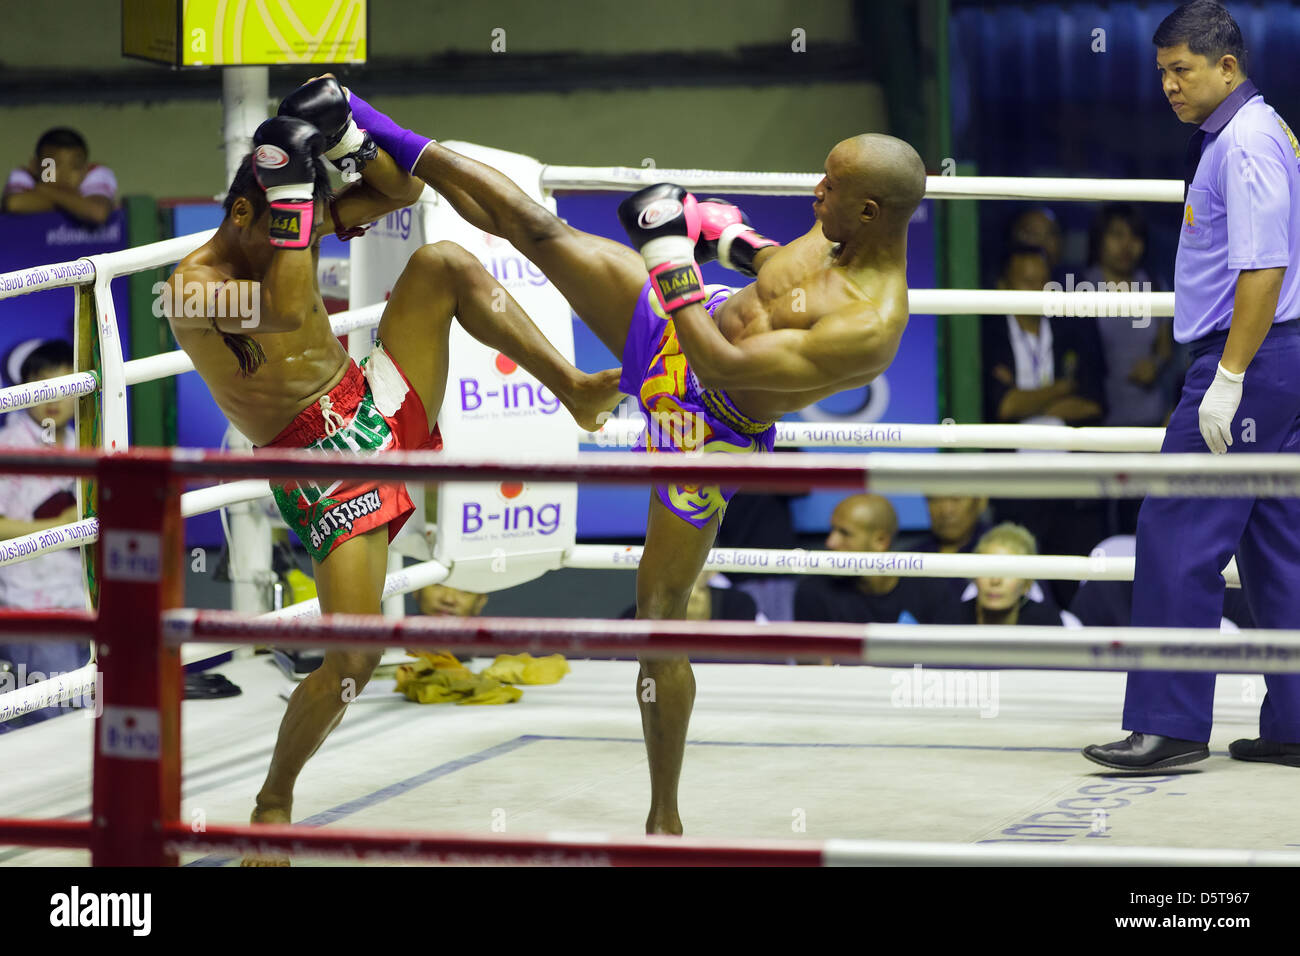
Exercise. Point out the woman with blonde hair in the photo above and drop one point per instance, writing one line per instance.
(1005, 600)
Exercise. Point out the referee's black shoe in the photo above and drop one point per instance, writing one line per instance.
(1147, 752)
(1265, 751)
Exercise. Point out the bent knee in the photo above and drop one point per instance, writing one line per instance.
(443, 259)
(356, 666)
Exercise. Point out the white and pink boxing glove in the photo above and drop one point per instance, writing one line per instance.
(725, 235)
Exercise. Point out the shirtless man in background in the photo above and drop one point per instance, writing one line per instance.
(283, 379)
(825, 314)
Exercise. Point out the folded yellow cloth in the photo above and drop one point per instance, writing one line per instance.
(438, 678)
(492, 692)
(526, 669)
(438, 660)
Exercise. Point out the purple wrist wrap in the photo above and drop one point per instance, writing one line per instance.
(401, 144)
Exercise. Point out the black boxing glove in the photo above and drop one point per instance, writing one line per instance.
(663, 223)
(285, 151)
(323, 103)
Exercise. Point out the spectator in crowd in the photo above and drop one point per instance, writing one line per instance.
(1042, 371)
(1003, 600)
(956, 523)
(1039, 228)
(1138, 352)
(866, 523)
(29, 504)
(438, 600)
(1141, 371)
(61, 176)
(1110, 603)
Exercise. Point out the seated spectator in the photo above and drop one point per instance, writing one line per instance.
(1141, 370)
(30, 503)
(1039, 227)
(438, 600)
(866, 523)
(61, 176)
(1110, 603)
(955, 524)
(714, 598)
(1138, 352)
(1045, 372)
(1001, 600)
(1040, 370)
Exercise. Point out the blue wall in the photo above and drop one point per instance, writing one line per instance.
(1030, 97)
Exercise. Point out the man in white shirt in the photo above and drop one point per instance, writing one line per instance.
(30, 503)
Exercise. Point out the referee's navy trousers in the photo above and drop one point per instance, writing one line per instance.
(1183, 543)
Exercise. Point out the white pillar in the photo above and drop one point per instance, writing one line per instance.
(249, 546)
(244, 105)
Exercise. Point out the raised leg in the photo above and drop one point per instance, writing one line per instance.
(442, 281)
(349, 581)
(600, 278)
(675, 552)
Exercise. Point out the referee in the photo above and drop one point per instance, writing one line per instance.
(1236, 306)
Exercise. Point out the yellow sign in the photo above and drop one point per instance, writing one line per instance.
(245, 32)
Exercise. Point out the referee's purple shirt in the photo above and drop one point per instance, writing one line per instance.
(1242, 212)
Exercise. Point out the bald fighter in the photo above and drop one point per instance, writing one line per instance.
(246, 308)
(713, 368)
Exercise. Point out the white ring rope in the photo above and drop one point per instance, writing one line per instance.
(80, 683)
(1136, 305)
(623, 433)
(627, 178)
(911, 853)
(903, 564)
(15, 397)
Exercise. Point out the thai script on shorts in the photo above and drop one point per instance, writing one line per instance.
(342, 516)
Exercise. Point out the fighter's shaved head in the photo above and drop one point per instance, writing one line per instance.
(881, 168)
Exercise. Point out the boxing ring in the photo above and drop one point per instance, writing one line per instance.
(133, 506)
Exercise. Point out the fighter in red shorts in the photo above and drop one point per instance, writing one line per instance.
(246, 308)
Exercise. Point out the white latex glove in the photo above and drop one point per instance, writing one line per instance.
(1218, 408)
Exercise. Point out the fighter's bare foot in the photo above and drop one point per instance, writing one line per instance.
(592, 396)
(664, 824)
(267, 815)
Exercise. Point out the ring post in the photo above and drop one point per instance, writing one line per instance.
(137, 741)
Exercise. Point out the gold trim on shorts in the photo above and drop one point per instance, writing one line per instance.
(720, 407)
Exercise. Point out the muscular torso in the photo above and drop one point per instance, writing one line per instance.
(300, 366)
(796, 286)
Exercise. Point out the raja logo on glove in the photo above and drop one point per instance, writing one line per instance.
(657, 212)
(271, 157)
